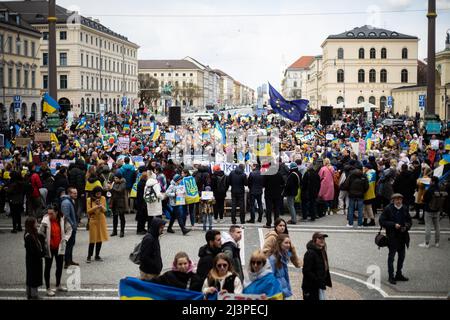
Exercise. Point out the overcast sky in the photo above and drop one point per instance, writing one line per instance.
(253, 49)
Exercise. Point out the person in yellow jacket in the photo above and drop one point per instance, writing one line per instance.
(369, 196)
(98, 231)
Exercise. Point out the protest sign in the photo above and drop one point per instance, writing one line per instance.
(42, 137)
(329, 136)
(207, 195)
(123, 144)
(180, 195)
(146, 126)
(22, 142)
(228, 167)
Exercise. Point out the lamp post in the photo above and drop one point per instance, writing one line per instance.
(431, 76)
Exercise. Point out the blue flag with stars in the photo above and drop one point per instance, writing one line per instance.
(293, 110)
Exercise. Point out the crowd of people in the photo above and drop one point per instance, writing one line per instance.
(340, 169)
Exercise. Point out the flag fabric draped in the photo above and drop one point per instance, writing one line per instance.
(82, 124)
(293, 110)
(267, 284)
(102, 125)
(369, 140)
(192, 194)
(156, 133)
(30, 154)
(135, 289)
(50, 105)
(219, 133)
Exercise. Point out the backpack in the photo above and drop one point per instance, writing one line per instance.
(135, 256)
(150, 195)
(222, 184)
(437, 200)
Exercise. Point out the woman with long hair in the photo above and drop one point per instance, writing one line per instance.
(33, 259)
(222, 278)
(279, 261)
(56, 231)
(98, 232)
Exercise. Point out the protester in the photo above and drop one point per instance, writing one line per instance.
(316, 269)
(293, 184)
(118, 204)
(357, 185)
(369, 196)
(15, 192)
(310, 192)
(153, 197)
(256, 186)
(69, 212)
(150, 252)
(273, 188)
(219, 182)
(176, 192)
(279, 262)
(222, 278)
(140, 204)
(98, 232)
(434, 203)
(230, 247)
(34, 254)
(237, 180)
(207, 209)
(326, 193)
(208, 252)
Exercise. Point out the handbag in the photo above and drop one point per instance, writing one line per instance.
(381, 240)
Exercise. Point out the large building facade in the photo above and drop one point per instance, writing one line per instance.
(295, 77)
(96, 68)
(19, 68)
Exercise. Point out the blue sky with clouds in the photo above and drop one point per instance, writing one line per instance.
(253, 49)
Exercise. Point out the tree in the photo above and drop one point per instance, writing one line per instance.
(149, 90)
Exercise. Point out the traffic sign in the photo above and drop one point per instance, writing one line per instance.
(422, 101)
(17, 103)
(389, 101)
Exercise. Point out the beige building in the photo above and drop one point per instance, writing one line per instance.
(406, 99)
(19, 68)
(295, 78)
(362, 66)
(95, 66)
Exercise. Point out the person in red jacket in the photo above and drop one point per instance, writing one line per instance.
(36, 184)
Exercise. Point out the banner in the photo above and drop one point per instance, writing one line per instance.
(227, 167)
(22, 142)
(329, 137)
(135, 289)
(170, 136)
(62, 162)
(42, 137)
(239, 297)
(138, 161)
(123, 144)
(70, 116)
(192, 195)
(146, 126)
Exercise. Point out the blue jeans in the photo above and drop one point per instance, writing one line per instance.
(291, 206)
(351, 210)
(189, 210)
(207, 218)
(69, 247)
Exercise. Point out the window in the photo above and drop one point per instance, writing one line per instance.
(45, 35)
(184, 74)
(25, 48)
(361, 35)
(176, 74)
(45, 82)
(63, 58)
(382, 103)
(373, 53)
(162, 74)
(295, 84)
(33, 79)
(340, 100)
(33, 49)
(10, 46)
(45, 59)
(92, 83)
(340, 76)
(405, 53)
(383, 76)
(372, 100)
(2, 76)
(63, 82)
(361, 76)
(170, 74)
(360, 100)
(63, 35)
(18, 47)
(155, 75)
(18, 74)
(26, 75)
(96, 62)
(92, 61)
(82, 82)
(383, 53)
(82, 59)
(191, 74)
(340, 53)
(372, 76)
(81, 36)
(1, 43)
(404, 76)
(350, 35)
(361, 53)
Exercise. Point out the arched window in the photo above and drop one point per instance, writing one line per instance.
(361, 76)
(340, 76)
(361, 53)
(340, 100)
(372, 100)
(340, 53)
(383, 53)
(405, 53)
(93, 105)
(383, 76)
(373, 53)
(295, 84)
(372, 76)
(382, 103)
(404, 76)
(82, 105)
(88, 104)
(360, 100)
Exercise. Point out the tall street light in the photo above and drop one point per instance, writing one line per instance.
(431, 76)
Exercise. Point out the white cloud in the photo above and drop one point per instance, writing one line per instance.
(399, 4)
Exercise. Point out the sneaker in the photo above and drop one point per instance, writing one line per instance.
(250, 221)
(122, 235)
(424, 245)
(401, 277)
(74, 264)
(50, 293)
(221, 221)
(170, 231)
(99, 259)
(14, 231)
(113, 234)
(392, 280)
(215, 221)
(88, 260)
(186, 231)
(437, 245)
(61, 289)
(349, 225)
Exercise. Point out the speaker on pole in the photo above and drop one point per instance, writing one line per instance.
(175, 116)
(326, 115)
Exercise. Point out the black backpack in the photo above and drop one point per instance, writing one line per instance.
(222, 184)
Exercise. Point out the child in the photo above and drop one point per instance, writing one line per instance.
(207, 207)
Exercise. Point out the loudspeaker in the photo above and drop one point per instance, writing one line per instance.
(326, 115)
(175, 116)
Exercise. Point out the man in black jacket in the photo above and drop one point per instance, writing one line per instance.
(397, 222)
(219, 182)
(316, 270)
(310, 192)
(237, 180)
(256, 185)
(356, 185)
(208, 252)
(230, 246)
(405, 184)
(273, 188)
(150, 253)
(290, 191)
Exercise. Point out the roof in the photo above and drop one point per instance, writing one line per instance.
(36, 11)
(369, 32)
(302, 63)
(12, 21)
(222, 74)
(166, 64)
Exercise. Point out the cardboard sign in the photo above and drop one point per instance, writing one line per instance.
(180, 195)
(123, 144)
(207, 195)
(329, 136)
(42, 137)
(22, 142)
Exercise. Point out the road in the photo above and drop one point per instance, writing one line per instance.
(352, 253)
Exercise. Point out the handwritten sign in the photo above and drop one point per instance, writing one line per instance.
(42, 137)
(22, 142)
(207, 195)
(123, 144)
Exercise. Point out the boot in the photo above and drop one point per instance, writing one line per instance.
(170, 230)
(113, 234)
(186, 231)
(122, 234)
(365, 223)
(372, 223)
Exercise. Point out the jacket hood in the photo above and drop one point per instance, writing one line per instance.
(151, 181)
(65, 197)
(190, 269)
(311, 246)
(207, 250)
(239, 170)
(252, 276)
(226, 237)
(155, 226)
(272, 233)
(219, 173)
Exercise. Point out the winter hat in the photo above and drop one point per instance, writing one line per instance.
(216, 168)
(118, 175)
(293, 166)
(177, 178)
(207, 188)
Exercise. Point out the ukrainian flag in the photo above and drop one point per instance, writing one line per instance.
(55, 139)
(268, 285)
(369, 140)
(77, 143)
(155, 132)
(30, 154)
(219, 133)
(82, 123)
(135, 289)
(264, 149)
(50, 105)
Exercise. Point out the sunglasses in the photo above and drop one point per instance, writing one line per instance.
(224, 265)
(258, 263)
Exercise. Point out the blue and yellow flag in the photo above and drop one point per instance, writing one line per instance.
(50, 105)
(192, 194)
(135, 289)
(219, 133)
(263, 149)
(156, 133)
(30, 154)
(82, 124)
(268, 285)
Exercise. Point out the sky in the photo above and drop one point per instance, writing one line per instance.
(254, 40)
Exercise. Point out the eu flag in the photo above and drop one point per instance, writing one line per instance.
(293, 110)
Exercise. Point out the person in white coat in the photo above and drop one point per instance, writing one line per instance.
(57, 231)
(153, 197)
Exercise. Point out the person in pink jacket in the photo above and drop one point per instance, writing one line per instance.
(326, 193)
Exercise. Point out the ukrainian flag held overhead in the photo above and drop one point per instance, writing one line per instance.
(267, 284)
(50, 105)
